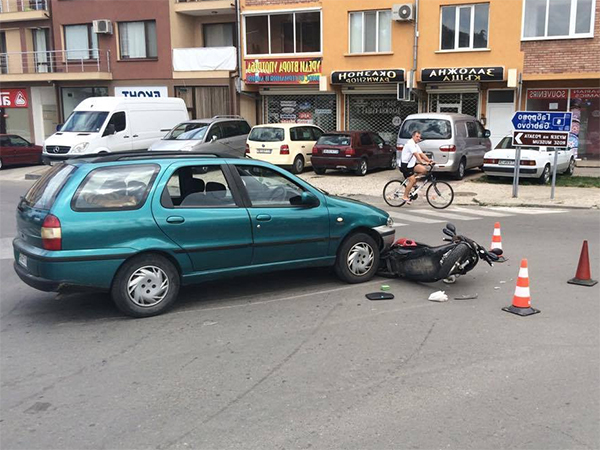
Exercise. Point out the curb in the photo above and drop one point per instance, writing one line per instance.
(32, 176)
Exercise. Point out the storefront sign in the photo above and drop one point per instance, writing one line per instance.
(368, 76)
(548, 139)
(585, 94)
(142, 91)
(283, 71)
(13, 98)
(462, 74)
(547, 94)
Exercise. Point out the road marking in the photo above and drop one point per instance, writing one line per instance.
(411, 218)
(531, 211)
(6, 249)
(444, 214)
(478, 212)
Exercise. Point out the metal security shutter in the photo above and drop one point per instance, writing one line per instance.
(377, 112)
(320, 110)
(467, 103)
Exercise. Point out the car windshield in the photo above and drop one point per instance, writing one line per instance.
(334, 139)
(267, 134)
(190, 131)
(507, 143)
(429, 128)
(85, 121)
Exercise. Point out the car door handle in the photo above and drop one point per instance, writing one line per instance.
(125, 137)
(263, 217)
(175, 219)
(304, 146)
(135, 135)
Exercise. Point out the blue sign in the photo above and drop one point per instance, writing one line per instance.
(541, 121)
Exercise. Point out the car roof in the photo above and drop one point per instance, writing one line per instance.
(217, 119)
(452, 116)
(285, 125)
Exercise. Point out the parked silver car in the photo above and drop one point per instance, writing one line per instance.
(221, 134)
(455, 141)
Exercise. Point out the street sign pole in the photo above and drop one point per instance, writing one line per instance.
(515, 192)
(554, 174)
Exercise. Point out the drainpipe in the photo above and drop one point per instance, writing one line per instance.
(415, 52)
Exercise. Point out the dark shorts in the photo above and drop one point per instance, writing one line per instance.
(406, 171)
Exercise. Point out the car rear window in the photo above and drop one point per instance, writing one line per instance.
(267, 134)
(115, 188)
(429, 128)
(43, 193)
(334, 139)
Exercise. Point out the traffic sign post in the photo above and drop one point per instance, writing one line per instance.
(539, 128)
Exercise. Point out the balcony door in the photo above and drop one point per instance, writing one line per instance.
(41, 47)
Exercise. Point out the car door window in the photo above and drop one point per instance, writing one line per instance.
(365, 139)
(268, 188)
(216, 131)
(229, 129)
(461, 130)
(480, 130)
(294, 134)
(119, 121)
(471, 129)
(17, 141)
(316, 133)
(377, 139)
(5, 141)
(243, 127)
(198, 187)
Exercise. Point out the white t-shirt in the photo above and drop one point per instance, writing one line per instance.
(408, 153)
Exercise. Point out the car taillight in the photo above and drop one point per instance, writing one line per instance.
(490, 161)
(448, 148)
(350, 152)
(315, 150)
(284, 150)
(528, 163)
(399, 147)
(51, 233)
(247, 149)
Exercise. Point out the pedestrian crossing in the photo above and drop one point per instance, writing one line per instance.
(409, 216)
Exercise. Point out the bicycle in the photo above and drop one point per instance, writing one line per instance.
(439, 194)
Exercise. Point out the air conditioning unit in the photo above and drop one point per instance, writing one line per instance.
(102, 26)
(403, 13)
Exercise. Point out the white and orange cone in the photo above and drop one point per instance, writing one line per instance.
(497, 240)
(521, 304)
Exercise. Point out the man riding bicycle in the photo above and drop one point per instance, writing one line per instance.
(412, 163)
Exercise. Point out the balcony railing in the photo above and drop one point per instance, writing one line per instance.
(7, 6)
(55, 61)
(204, 59)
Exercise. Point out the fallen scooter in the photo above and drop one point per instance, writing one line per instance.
(420, 262)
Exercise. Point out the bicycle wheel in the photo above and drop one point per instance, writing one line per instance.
(393, 192)
(440, 195)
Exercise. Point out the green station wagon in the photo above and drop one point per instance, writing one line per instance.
(140, 226)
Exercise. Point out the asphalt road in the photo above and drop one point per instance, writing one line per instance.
(299, 360)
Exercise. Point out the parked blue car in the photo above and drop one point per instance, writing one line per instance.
(141, 225)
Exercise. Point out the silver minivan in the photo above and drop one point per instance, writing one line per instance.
(456, 142)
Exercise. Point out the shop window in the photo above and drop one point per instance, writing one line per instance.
(218, 35)
(464, 27)
(547, 99)
(557, 19)
(290, 33)
(81, 42)
(317, 110)
(370, 31)
(71, 97)
(137, 40)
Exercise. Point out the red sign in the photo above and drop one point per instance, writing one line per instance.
(283, 71)
(13, 98)
(547, 94)
(585, 93)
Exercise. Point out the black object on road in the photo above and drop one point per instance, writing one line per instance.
(380, 296)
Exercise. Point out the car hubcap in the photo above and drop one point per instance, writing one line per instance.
(148, 286)
(360, 258)
(363, 167)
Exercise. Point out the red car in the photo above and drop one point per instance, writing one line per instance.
(16, 150)
(357, 151)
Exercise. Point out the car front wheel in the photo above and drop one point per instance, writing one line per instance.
(357, 259)
(145, 286)
(571, 167)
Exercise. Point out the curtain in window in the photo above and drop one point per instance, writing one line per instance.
(218, 35)
(133, 40)
(356, 32)
(42, 62)
(77, 42)
(535, 18)
(385, 31)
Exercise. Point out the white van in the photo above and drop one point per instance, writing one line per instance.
(114, 124)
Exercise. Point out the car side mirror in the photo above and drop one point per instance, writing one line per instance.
(59, 126)
(306, 199)
(110, 130)
(213, 138)
(487, 133)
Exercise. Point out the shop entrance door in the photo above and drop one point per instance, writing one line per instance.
(500, 109)
(461, 103)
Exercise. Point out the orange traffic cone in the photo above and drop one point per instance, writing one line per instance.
(583, 277)
(497, 241)
(521, 303)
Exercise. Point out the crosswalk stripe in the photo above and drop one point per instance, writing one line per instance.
(478, 212)
(444, 214)
(413, 218)
(530, 211)
(6, 250)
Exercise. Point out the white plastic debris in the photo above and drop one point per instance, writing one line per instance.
(439, 296)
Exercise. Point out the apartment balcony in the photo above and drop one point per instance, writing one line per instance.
(204, 7)
(204, 62)
(22, 10)
(56, 65)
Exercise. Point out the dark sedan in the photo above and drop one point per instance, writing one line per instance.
(16, 150)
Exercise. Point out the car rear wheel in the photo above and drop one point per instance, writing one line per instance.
(298, 165)
(394, 163)
(462, 167)
(319, 170)
(545, 176)
(1, 164)
(363, 168)
(145, 286)
(357, 258)
(571, 167)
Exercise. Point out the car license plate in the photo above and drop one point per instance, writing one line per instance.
(330, 151)
(263, 150)
(506, 162)
(23, 260)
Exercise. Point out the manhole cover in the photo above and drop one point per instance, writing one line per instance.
(465, 194)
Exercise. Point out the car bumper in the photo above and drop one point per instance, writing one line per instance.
(387, 234)
(507, 171)
(335, 162)
(50, 159)
(39, 283)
